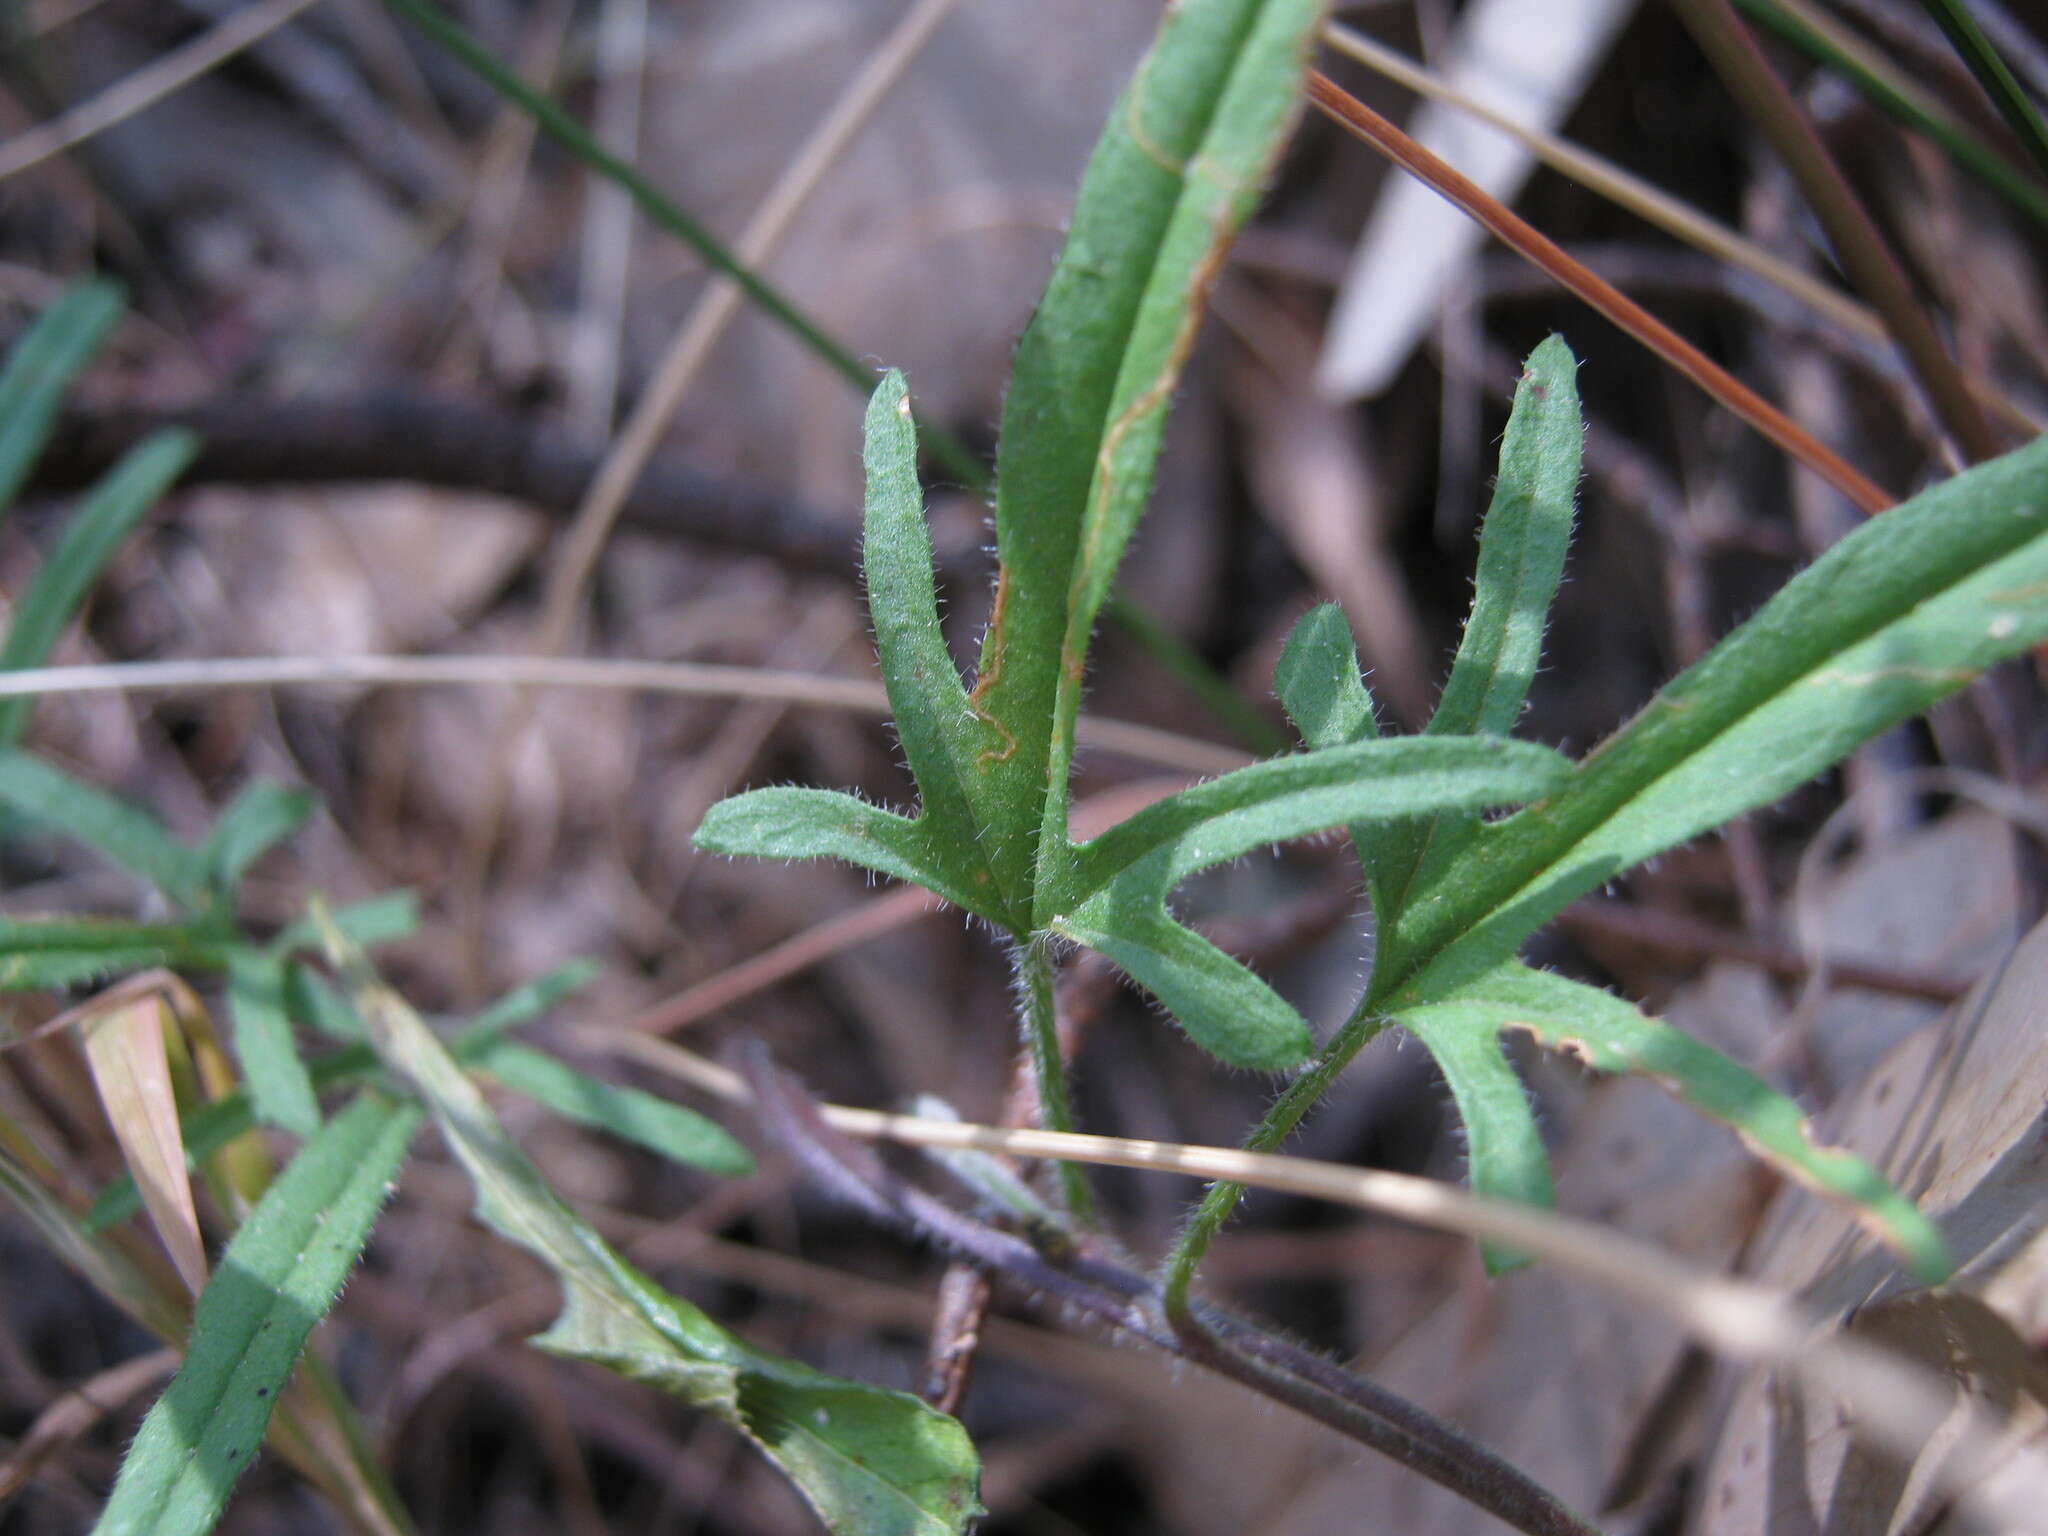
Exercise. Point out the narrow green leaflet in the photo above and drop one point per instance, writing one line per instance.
(525, 1002)
(944, 741)
(40, 367)
(1522, 545)
(261, 816)
(279, 1086)
(1175, 173)
(106, 517)
(1319, 685)
(1898, 615)
(276, 1280)
(870, 1462)
(1604, 1032)
(1113, 898)
(128, 835)
(669, 1130)
(789, 823)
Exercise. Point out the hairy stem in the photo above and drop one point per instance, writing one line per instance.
(1279, 1123)
(1040, 1019)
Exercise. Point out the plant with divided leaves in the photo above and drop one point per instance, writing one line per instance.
(1892, 619)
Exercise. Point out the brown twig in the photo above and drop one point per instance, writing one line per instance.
(1356, 117)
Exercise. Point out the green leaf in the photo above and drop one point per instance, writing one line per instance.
(870, 1462)
(102, 521)
(679, 1134)
(1290, 797)
(310, 1001)
(525, 1002)
(41, 367)
(1221, 1004)
(787, 823)
(943, 739)
(128, 835)
(277, 1278)
(279, 1085)
(1319, 684)
(261, 816)
(1174, 175)
(382, 919)
(1114, 898)
(1901, 613)
(1606, 1033)
(39, 953)
(1522, 547)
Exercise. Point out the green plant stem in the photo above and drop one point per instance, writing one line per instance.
(1854, 237)
(1993, 74)
(1278, 1124)
(1048, 1062)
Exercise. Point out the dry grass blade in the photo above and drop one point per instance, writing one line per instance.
(77, 1411)
(147, 86)
(1514, 231)
(127, 1047)
(1140, 743)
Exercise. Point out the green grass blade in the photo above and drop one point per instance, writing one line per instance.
(870, 1462)
(40, 953)
(95, 530)
(1522, 546)
(668, 1130)
(260, 817)
(1875, 77)
(1503, 1148)
(130, 836)
(277, 1278)
(1602, 1031)
(786, 823)
(280, 1087)
(1172, 177)
(1289, 797)
(1898, 615)
(41, 366)
(943, 738)
(1992, 72)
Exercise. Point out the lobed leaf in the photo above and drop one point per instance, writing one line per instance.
(944, 740)
(1319, 684)
(280, 1088)
(871, 1462)
(277, 1278)
(41, 367)
(1113, 899)
(1522, 545)
(787, 823)
(128, 835)
(1901, 613)
(1610, 1035)
(1172, 178)
(104, 519)
(669, 1130)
